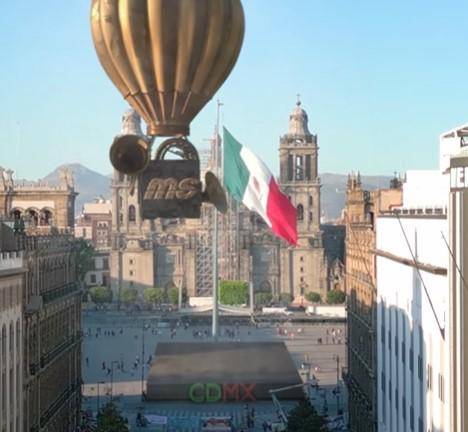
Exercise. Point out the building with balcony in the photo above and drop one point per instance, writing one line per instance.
(38, 219)
(362, 207)
(40, 205)
(52, 334)
(11, 340)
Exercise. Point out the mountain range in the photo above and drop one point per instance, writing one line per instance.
(88, 183)
(91, 184)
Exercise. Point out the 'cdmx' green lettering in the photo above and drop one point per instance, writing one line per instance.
(195, 394)
(213, 392)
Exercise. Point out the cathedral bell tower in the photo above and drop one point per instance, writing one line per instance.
(299, 176)
(303, 268)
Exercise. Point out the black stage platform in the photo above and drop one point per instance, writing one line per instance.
(221, 371)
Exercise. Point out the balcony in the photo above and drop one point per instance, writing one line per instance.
(59, 292)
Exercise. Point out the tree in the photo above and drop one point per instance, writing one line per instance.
(129, 295)
(84, 256)
(173, 295)
(154, 295)
(263, 298)
(336, 297)
(232, 292)
(285, 298)
(313, 297)
(101, 295)
(304, 418)
(110, 420)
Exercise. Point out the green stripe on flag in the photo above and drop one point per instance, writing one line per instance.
(236, 174)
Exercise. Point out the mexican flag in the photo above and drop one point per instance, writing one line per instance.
(249, 180)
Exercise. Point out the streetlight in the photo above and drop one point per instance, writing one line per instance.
(306, 367)
(142, 359)
(112, 378)
(336, 357)
(98, 400)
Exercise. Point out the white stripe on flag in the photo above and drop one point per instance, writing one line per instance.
(258, 187)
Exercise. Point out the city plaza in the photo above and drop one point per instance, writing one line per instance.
(118, 349)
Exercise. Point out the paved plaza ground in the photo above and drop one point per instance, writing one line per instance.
(113, 340)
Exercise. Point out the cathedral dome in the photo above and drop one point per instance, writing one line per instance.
(298, 121)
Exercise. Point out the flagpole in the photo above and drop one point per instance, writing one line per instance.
(215, 330)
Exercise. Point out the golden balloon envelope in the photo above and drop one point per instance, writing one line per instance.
(167, 57)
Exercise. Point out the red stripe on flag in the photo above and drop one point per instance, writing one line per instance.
(282, 214)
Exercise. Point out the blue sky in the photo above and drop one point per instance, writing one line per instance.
(380, 81)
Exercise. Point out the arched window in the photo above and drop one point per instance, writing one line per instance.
(131, 213)
(34, 216)
(45, 218)
(300, 212)
(16, 214)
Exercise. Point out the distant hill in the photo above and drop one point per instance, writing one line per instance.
(88, 183)
(334, 191)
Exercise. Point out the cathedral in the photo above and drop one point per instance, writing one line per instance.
(177, 253)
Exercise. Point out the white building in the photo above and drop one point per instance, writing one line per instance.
(413, 259)
(11, 341)
(458, 269)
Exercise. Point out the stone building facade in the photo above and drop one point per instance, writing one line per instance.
(40, 204)
(42, 216)
(362, 207)
(52, 334)
(11, 340)
(95, 226)
(178, 252)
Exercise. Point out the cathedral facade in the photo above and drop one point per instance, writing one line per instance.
(177, 253)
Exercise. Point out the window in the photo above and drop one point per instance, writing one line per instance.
(93, 278)
(299, 168)
(311, 200)
(308, 167)
(300, 212)
(131, 272)
(441, 388)
(131, 213)
(290, 169)
(429, 377)
(311, 218)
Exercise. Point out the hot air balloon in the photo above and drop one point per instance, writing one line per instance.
(167, 58)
